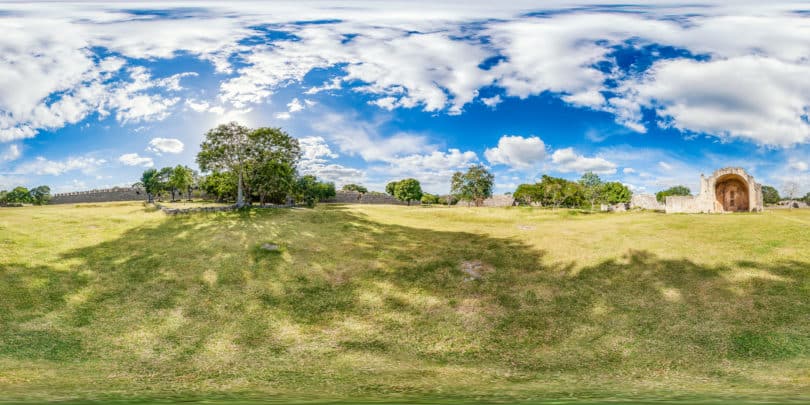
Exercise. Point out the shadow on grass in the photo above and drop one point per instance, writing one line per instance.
(194, 296)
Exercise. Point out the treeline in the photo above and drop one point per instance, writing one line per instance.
(588, 192)
(21, 195)
(244, 165)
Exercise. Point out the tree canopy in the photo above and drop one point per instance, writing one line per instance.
(661, 196)
(474, 185)
(309, 190)
(354, 187)
(770, 195)
(408, 190)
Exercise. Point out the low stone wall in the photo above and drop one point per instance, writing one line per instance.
(646, 202)
(679, 204)
(353, 197)
(97, 196)
(621, 207)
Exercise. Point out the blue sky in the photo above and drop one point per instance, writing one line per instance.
(91, 94)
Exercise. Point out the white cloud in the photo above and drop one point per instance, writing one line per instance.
(628, 170)
(43, 166)
(165, 145)
(198, 106)
(284, 115)
(294, 106)
(517, 152)
(433, 170)
(133, 159)
(314, 160)
(566, 160)
(799, 165)
(12, 152)
(491, 102)
(758, 99)
(315, 149)
(666, 166)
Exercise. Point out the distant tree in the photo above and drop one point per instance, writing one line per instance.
(180, 179)
(615, 192)
(150, 183)
(3, 194)
(227, 147)
(428, 198)
(770, 195)
(311, 191)
(220, 184)
(164, 178)
(558, 192)
(274, 181)
(40, 195)
(408, 190)
(475, 184)
(527, 194)
(791, 190)
(355, 187)
(19, 195)
(391, 188)
(592, 188)
(661, 196)
(807, 198)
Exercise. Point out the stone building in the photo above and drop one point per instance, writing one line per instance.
(730, 189)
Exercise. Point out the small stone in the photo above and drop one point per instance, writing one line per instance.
(270, 247)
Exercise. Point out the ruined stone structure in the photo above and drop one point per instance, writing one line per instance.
(730, 189)
(105, 195)
(353, 197)
(646, 202)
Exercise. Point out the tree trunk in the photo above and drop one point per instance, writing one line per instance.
(150, 198)
(240, 200)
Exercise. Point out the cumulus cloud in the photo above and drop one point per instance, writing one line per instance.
(12, 152)
(799, 165)
(567, 160)
(517, 152)
(165, 145)
(43, 166)
(133, 159)
(316, 154)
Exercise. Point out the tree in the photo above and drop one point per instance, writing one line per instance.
(40, 195)
(770, 195)
(791, 190)
(150, 183)
(474, 185)
(428, 198)
(807, 198)
(309, 190)
(527, 194)
(227, 147)
(164, 178)
(3, 194)
(220, 184)
(391, 188)
(19, 195)
(355, 187)
(615, 192)
(181, 178)
(661, 196)
(272, 157)
(408, 190)
(592, 187)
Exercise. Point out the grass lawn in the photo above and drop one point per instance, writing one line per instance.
(101, 301)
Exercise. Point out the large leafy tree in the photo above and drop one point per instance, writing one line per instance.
(391, 188)
(272, 158)
(661, 196)
(475, 184)
(770, 195)
(309, 190)
(227, 147)
(40, 195)
(558, 192)
(615, 192)
(591, 187)
(408, 190)
(220, 184)
(528, 193)
(164, 178)
(19, 195)
(181, 179)
(150, 183)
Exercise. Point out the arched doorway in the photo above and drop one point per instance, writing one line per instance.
(732, 193)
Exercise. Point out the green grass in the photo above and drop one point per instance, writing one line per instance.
(109, 301)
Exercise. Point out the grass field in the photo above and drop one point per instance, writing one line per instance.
(120, 301)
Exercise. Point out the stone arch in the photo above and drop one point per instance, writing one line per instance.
(732, 193)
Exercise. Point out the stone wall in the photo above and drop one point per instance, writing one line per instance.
(646, 202)
(353, 197)
(104, 195)
(688, 204)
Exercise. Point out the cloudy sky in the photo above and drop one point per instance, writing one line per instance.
(651, 95)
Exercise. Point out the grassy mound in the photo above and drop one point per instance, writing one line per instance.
(113, 300)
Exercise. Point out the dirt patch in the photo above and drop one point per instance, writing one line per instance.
(474, 269)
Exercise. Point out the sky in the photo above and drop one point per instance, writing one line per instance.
(650, 94)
